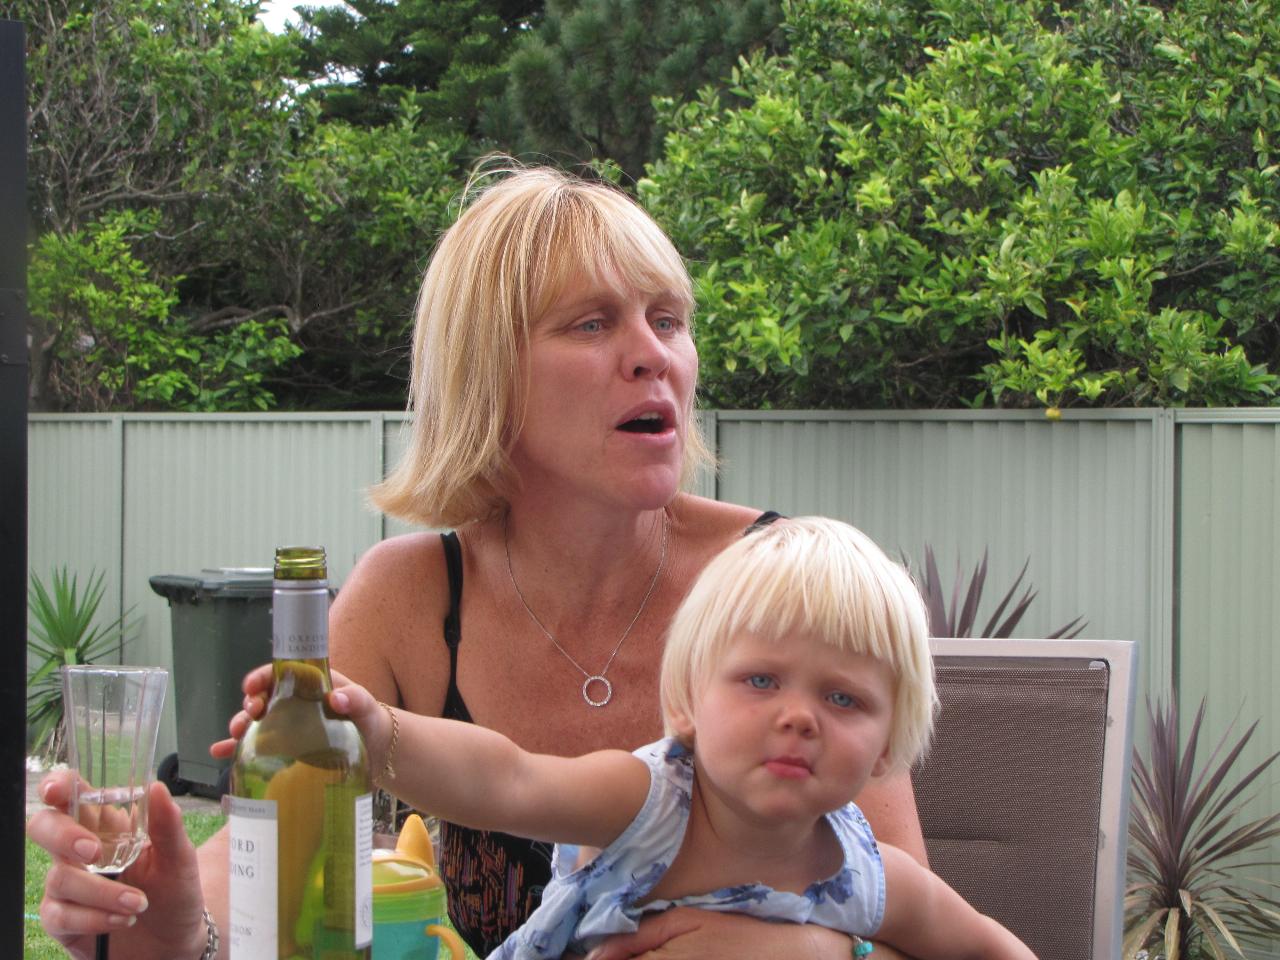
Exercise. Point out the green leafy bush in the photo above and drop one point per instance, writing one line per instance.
(940, 202)
(110, 338)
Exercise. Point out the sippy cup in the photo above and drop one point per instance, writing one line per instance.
(409, 900)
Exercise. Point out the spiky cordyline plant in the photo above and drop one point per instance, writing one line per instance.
(1185, 899)
(957, 620)
(62, 633)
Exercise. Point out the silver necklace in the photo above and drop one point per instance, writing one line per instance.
(591, 678)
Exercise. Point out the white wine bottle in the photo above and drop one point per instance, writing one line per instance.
(301, 806)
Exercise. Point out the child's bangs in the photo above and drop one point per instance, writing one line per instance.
(798, 584)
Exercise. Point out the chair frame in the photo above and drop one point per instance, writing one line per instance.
(1121, 658)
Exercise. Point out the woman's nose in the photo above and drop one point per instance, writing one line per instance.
(644, 353)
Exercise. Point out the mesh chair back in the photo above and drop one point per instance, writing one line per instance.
(1011, 793)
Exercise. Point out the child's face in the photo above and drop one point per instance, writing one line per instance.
(791, 727)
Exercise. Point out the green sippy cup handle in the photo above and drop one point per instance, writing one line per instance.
(449, 939)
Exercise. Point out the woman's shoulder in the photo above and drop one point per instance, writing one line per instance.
(412, 548)
(714, 520)
(381, 616)
(395, 574)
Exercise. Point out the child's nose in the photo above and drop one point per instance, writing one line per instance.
(797, 716)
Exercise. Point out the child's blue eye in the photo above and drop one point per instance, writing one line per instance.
(760, 681)
(842, 700)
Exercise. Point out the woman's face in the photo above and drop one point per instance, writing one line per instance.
(611, 374)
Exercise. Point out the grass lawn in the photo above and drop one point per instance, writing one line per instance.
(39, 946)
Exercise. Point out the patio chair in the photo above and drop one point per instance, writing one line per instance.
(1024, 795)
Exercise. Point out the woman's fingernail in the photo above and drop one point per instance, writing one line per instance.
(132, 901)
(86, 849)
(341, 702)
(118, 920)
(45, 790)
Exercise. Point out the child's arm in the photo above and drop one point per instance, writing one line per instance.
(925, 918)
(479, 778)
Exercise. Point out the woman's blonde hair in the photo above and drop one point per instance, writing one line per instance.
(821, 577)
(517, 245)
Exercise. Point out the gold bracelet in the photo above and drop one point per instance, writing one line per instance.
(388, 768)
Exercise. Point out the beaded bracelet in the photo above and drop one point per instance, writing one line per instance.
(861, 948)
(211, 944)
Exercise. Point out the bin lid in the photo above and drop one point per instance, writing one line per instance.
(242, 582)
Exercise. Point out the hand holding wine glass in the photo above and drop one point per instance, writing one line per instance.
(112, 717)
(155, 909)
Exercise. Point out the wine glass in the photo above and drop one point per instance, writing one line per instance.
(112, 716)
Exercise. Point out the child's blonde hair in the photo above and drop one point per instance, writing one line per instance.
(519, 243)
(814, 575)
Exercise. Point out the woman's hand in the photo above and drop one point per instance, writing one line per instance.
(154, 910)
(686, 933)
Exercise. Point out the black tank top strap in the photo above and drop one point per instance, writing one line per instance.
(762, 521)
(494, 880)
(454, 706)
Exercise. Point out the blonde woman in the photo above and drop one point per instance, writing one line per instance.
(553, 387)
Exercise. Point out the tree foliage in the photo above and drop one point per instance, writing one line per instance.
(331, 234)
(138, 111)
(204, 240)
(581, 85)
(936, 202)
(109, 339)
(916, 203)
(445, 56)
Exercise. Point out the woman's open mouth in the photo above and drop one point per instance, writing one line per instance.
(645, 423)
(651, 417)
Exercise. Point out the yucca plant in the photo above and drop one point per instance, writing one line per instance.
(61, 631)
(1186, 898)
(958, 619)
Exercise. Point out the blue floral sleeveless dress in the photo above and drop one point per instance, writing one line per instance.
(582, 907)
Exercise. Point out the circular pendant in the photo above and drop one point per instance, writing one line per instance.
(586, 687)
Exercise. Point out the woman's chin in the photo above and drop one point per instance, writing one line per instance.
(650, 488)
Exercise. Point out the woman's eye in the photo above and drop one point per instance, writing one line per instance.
(591, 326)
(760, 681)
(842, 700)
(666, 324)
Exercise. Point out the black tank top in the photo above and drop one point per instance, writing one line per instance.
(495, 880)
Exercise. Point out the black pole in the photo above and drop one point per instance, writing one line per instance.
(13, 476)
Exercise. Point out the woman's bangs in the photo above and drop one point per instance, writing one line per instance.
(607, 242)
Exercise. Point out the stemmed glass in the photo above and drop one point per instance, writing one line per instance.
(112, 716)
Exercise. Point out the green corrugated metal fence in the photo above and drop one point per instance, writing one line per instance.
(1157, 526)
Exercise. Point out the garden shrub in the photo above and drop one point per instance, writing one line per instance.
(986, 201)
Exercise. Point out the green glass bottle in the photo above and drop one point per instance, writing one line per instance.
(301, 804)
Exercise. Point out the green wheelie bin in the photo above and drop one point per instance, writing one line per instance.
(221, 623)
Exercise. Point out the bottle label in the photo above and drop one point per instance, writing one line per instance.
(364, 870)
(300, 624)
(253, 879)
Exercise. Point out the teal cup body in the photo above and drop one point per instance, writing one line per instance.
(409, 913)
